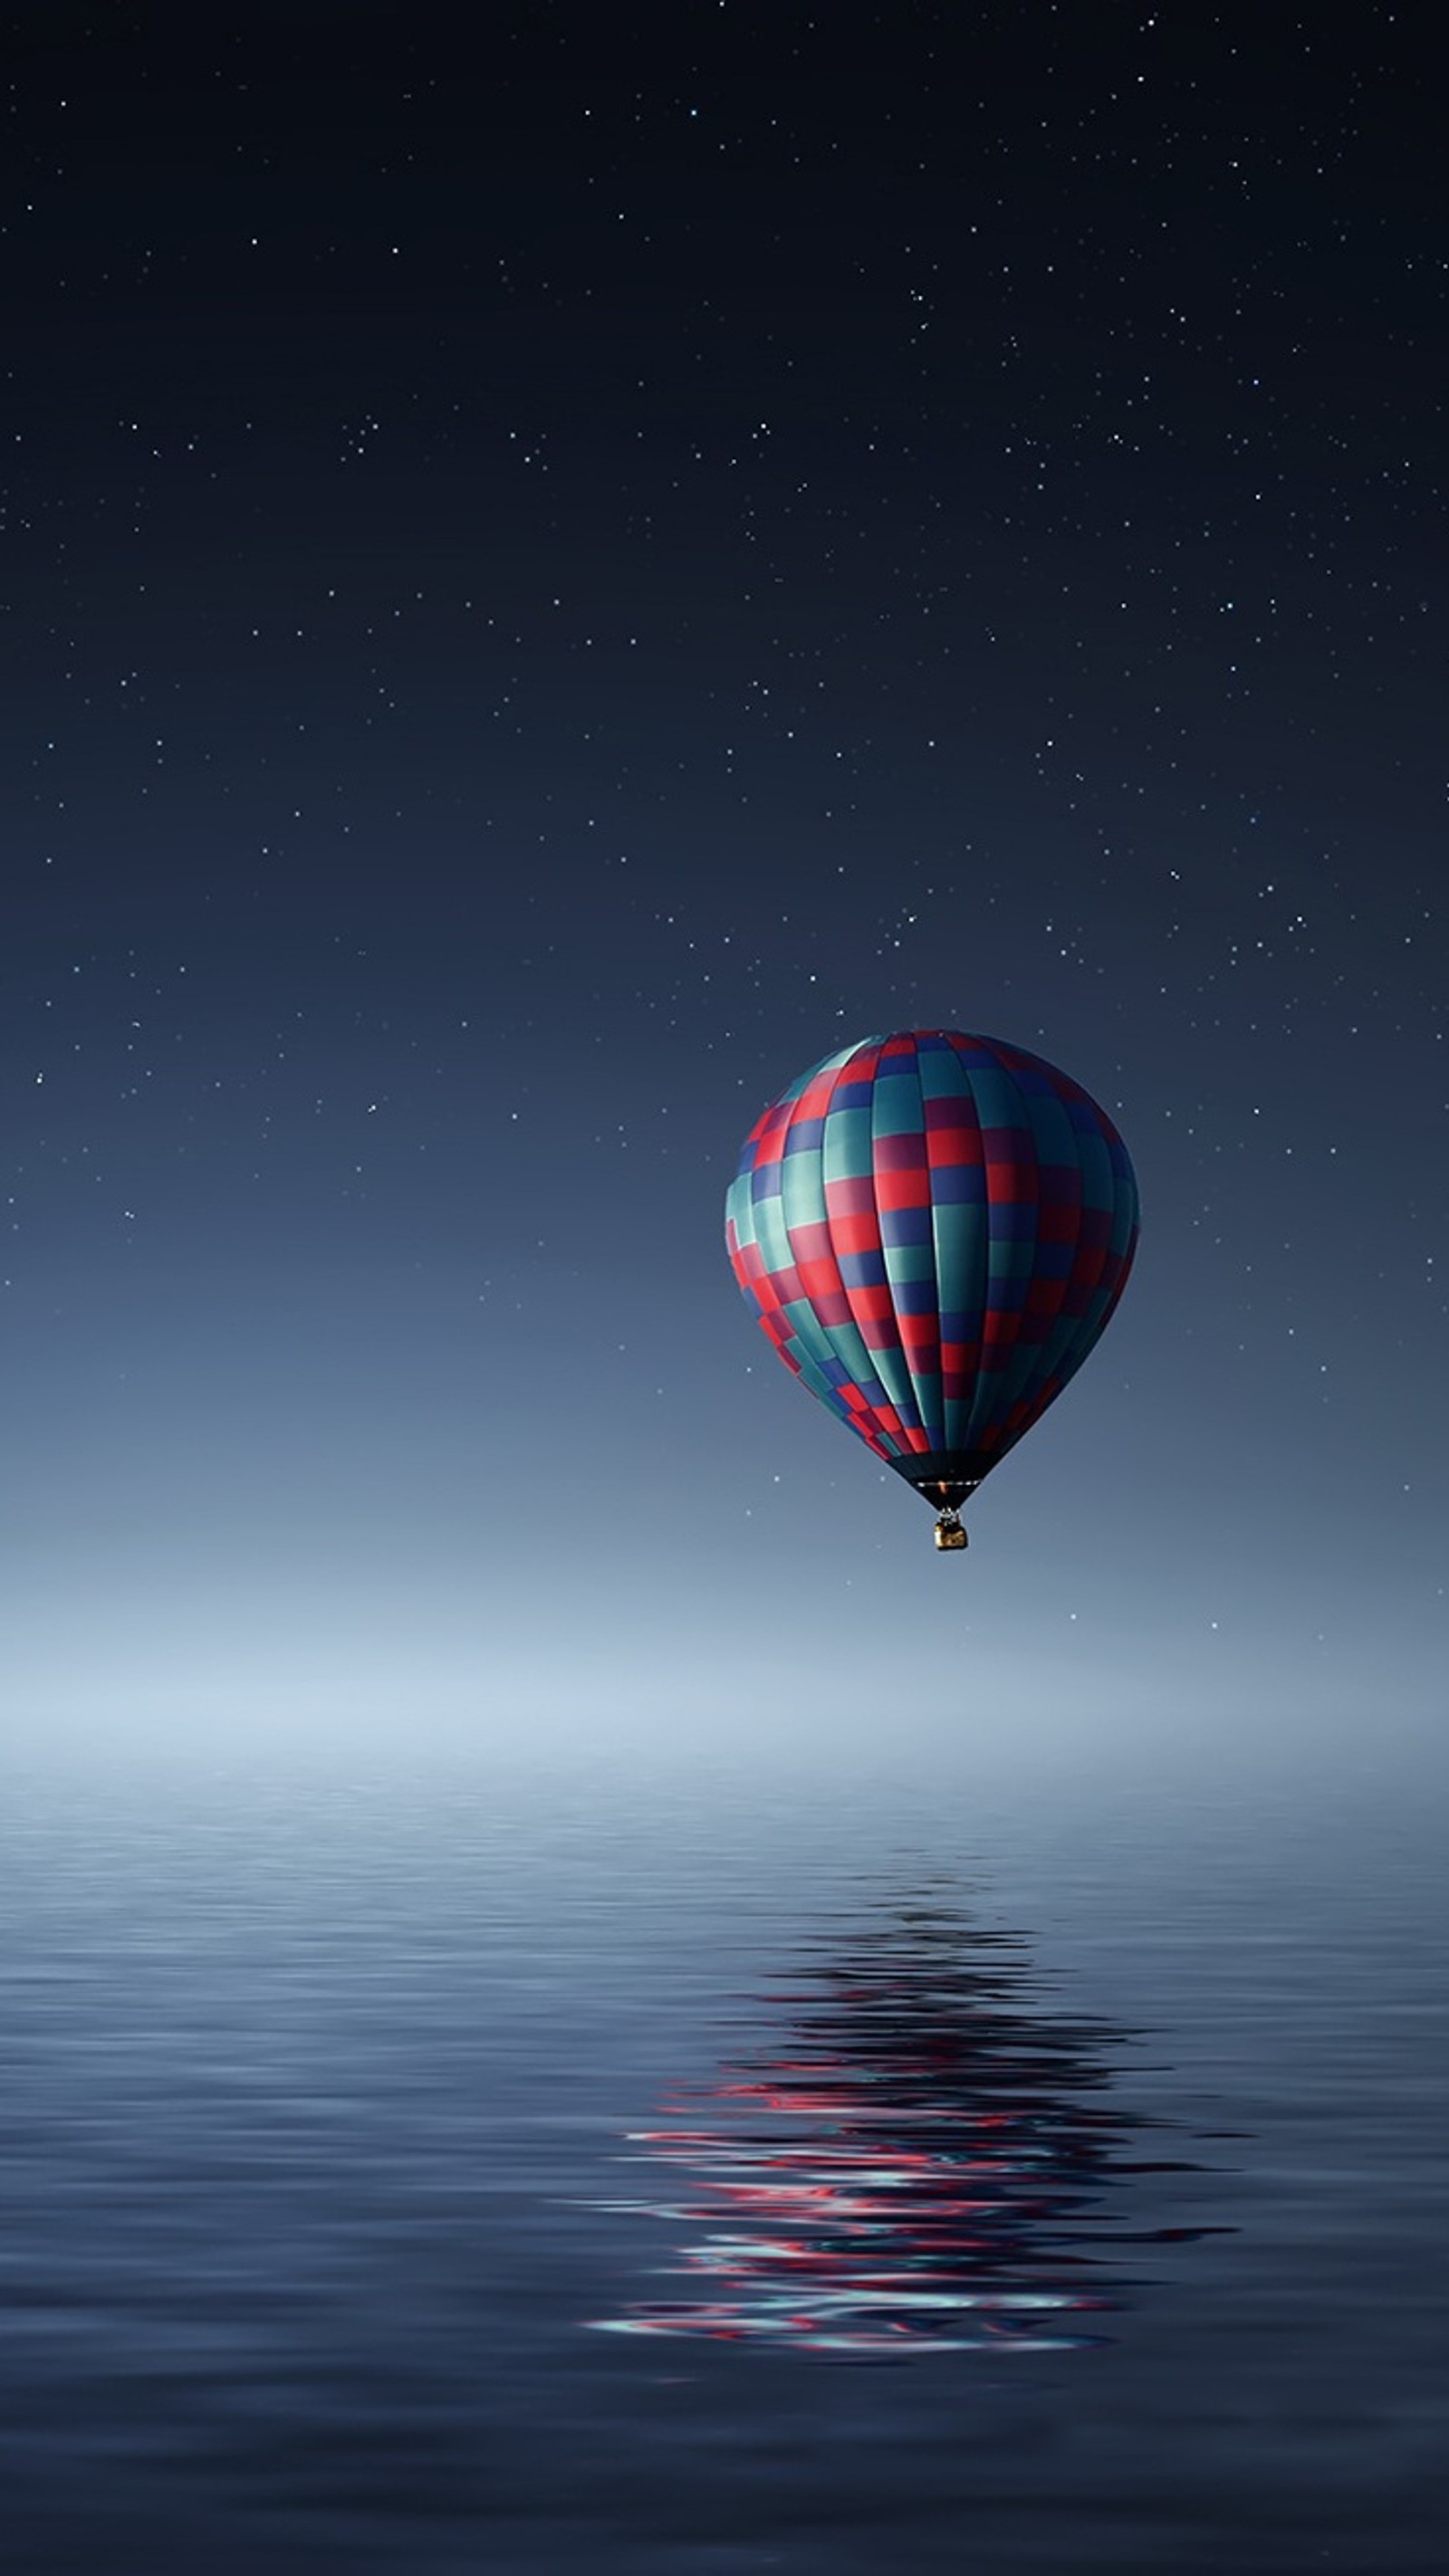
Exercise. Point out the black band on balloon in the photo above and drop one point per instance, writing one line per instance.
(944, 1477)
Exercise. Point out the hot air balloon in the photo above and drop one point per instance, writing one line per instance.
(933, 1231)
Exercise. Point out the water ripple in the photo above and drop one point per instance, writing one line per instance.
(931, 2158)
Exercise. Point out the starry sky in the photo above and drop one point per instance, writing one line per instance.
(558, 567)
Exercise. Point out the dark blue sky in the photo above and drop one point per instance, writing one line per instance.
(559, 569)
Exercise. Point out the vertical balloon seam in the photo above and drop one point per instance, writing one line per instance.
(1078, 1335)
(971, 1267)
(741, 1215)
(883, 1367)
(1125, 1200)
(851, 1354)
(1021, 1274)
(972, 1439)
(898, 1255)
(936, 1062)
(1126, 1220)
(1066, 1348)
(855, 1351)
(886, 1357)
(769, 1229)
(1054, 1363)
(805, 1323)
(1096, 1146)
(843, 1356)
(831, 1353)
(935, 1431)
(1023, 1260)
(983, 1426)
(913, 1423)
(872, 1427)
(1031, 1368)
(938, 1427)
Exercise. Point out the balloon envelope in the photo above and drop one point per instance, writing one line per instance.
(933, 1230)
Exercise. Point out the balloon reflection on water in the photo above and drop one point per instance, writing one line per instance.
(930, 2162)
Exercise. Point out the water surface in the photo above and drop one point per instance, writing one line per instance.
(526, 2169)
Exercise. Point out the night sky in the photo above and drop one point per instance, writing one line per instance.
(561, 564)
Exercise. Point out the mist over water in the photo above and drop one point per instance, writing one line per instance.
(1032, 2169)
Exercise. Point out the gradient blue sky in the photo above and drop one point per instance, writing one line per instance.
(551, 582)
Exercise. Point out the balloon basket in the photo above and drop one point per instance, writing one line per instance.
(949, 1533)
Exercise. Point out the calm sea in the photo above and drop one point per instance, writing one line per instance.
(600, 2171)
